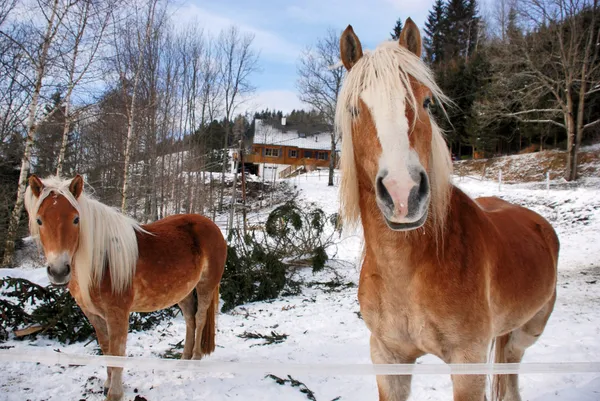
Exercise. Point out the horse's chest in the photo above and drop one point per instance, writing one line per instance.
(395, 317)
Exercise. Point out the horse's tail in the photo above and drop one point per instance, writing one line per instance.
(499, 382)
(208, 333)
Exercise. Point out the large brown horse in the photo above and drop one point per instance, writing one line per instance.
(114, 266)
(442, 274)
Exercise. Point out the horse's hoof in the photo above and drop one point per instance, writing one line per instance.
(186, 356)
(197, 357)
(114, 397)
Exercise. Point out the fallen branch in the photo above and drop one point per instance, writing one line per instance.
(27, 331)
(297, 383)
(274, 338)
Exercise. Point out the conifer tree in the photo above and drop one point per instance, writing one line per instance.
(434, 33)
(395, 34)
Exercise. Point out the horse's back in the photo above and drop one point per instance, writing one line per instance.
(517, 224)
(526, 253)
(186, 234)
(176, 253)
(509, 216)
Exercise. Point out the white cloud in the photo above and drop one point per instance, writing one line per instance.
(270, 44)
(284, 100)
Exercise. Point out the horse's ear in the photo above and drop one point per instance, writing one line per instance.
(410, 37)
(350, 48)
(76, 186)
(36, 185)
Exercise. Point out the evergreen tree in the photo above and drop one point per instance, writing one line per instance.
(397, 29)
(49, 137)
(450, 41)
(513, 33)
(434, 33)
(472, 27)
(461, 30)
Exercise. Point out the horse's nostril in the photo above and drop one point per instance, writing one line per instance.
(384, 195)
(49, 271)
(67, 269)
(423, 184)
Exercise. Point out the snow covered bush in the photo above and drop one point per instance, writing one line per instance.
(29, 310)
(259, 264)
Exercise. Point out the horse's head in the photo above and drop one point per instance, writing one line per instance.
(383, 107)
(56, 220)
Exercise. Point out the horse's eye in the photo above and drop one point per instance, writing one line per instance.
(39, 221)
(427, 102)
(76, 221)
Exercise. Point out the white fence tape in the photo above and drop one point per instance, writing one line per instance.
(329, 369)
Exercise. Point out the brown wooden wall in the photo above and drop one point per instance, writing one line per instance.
(258, 156)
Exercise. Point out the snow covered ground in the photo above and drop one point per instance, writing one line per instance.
(324, 327)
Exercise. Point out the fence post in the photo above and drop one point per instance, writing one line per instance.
(500, 180)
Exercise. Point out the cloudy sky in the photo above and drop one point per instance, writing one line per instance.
(283, 28)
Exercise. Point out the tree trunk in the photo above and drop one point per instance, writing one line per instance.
(332, 159)
(210, 197)
(580, 112)
(243, 191)
(65, 137)
(153, 159)
(224, 169)
(131, 114)
(233, 193)
(15, 217)
(128, 145)
(571, 168)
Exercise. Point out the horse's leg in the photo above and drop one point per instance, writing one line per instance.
(469, 387)
(102, 334)
(393, 388)
(118, 325)
(204, 291)
(188, 308)
(518, 341)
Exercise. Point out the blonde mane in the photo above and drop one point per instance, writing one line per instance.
(106, 237)
(389, 68)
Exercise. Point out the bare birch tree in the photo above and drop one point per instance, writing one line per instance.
(37, 50)
(83, 33)
(15, 71)
(320, 81)
(142, 37)
(238, 62)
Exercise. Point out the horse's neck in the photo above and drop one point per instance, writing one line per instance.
(401, 252)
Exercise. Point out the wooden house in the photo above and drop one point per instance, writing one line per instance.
(279, 152)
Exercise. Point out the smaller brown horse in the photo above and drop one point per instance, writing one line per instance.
(114, 266)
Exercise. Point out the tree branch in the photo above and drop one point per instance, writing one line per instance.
(534, 111)
(593, 123)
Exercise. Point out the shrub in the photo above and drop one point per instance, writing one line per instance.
(259, 264)
(55, 313)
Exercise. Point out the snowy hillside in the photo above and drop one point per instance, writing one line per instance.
(323, 325)
(531, 167)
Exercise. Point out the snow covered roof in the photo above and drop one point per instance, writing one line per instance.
(265, 134)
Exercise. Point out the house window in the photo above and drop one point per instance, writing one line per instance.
(293, 153)
(323, 156)
(270, 152)
(308, 154)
